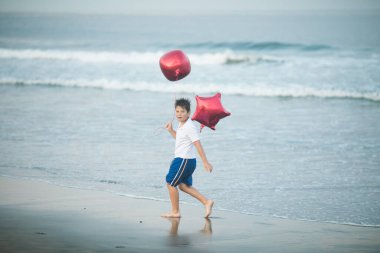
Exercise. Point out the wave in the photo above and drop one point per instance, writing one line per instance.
(259, 90)
(108, 181)
(84, 56)
(216, 58)
(257, 46)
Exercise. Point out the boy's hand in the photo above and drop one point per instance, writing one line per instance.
(208, 167)
(169, 126)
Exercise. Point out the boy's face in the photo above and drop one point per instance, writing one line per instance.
(181, 114)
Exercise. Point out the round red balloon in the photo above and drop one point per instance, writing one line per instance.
(175, 65)
(209, 111)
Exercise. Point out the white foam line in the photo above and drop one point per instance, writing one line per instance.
(259, 90)
(133, 57)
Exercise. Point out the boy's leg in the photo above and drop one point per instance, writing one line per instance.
(196, 194)
(174, 199)
(193, 192)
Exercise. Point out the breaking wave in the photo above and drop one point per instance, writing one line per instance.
(258, 46)
(216, 58)
(260, 90)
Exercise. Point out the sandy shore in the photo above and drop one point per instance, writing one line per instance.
(40, 217)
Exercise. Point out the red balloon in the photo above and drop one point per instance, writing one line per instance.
(209, 111)
(175, 65)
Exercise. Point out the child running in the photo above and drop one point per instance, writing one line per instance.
(184, 163)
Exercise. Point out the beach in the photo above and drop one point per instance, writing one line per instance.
(84, 151)
(86, 107)
(40, 217)
(81, 109)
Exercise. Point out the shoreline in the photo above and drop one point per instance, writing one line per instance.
(187, 203)
(44, 217)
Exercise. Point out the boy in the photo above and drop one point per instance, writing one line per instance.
(184, 163)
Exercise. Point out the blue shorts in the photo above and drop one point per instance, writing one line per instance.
(180, 171)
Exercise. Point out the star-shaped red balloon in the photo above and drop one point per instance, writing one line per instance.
(209, 111)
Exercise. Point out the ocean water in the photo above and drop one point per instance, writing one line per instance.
(82, 103)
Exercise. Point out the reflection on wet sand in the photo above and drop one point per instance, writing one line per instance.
(181, 240)
(207, 229)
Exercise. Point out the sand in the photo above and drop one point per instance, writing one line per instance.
(40, 217)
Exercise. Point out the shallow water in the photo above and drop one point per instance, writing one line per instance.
(298, 158)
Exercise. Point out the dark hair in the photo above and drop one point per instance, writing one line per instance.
(184, 103)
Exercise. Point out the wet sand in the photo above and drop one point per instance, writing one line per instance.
(40, 217)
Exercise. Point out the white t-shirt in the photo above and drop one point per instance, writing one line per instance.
(185, 136)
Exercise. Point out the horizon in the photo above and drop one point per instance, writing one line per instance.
(197, 7)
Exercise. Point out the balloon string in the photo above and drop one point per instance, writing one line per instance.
(158, 130)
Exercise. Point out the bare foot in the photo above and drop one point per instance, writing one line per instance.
(171, 215)
(208, 206)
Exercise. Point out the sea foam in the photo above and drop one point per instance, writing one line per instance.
(223, 57)
(259, 90)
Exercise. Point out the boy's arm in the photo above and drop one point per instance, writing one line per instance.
(202, 154)
(169, 127)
